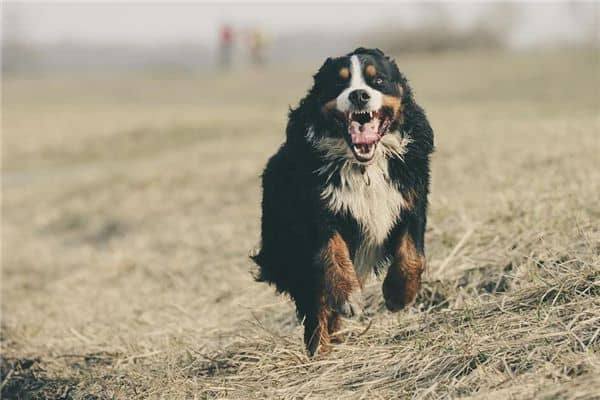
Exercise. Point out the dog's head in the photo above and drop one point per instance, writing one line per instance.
(358, 98)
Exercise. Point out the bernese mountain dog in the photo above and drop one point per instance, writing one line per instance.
(346, 194)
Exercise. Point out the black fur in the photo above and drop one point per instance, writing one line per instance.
(295, 222)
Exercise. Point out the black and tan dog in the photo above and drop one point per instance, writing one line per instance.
(346, 194)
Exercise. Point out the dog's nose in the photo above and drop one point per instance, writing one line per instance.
(359, 97)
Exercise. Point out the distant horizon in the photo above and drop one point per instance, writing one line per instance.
(148, 25)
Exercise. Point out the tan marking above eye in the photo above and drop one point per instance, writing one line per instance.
(344, 73)
(370, 71)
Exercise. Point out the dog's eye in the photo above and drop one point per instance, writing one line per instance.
(378, 81)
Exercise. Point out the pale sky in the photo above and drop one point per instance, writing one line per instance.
(167, 22)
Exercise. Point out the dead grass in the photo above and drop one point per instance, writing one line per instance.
(130, 203)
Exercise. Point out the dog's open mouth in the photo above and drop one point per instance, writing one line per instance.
(365, 129)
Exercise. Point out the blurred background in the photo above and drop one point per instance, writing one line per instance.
(63, 36)
(133, 138)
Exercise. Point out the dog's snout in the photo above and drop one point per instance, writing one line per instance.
(359, 97)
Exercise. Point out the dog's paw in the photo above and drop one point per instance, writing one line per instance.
(399, 293)
(395, 303)
(353, 306)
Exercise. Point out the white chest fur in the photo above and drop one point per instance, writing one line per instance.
(372, 199)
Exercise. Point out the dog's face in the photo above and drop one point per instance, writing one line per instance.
(360, 100)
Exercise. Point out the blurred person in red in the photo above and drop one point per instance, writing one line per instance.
(226, 45)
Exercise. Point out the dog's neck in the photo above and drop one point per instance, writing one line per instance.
(364, 192)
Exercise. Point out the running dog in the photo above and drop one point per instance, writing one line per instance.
(346, 194)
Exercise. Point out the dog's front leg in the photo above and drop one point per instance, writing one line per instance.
(339, 293)
(403, 278)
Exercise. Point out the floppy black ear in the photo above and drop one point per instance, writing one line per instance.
(395, 70)
(318, 78)
(305, 114)
(323, 68)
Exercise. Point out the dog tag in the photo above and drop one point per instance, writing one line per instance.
(363, 169)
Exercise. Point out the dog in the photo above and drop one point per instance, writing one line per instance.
(346, 194)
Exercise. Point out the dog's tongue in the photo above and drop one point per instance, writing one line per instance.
(364, 133)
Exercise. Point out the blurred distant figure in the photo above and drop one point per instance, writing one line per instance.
(225, 45)
(257, 47)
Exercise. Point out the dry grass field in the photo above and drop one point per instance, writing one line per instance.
(130, 204)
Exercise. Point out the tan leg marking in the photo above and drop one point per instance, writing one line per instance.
(403, 278)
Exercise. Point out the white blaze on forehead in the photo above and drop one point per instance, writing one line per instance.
(357, 77)
(357, 81)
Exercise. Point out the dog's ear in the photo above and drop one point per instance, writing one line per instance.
(397, 76)
(319, 78)
(309, 103)
(323, 69)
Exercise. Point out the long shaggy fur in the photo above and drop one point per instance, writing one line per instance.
(313, 191)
